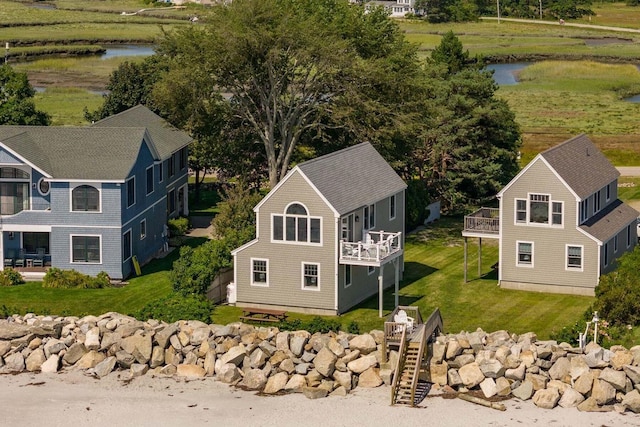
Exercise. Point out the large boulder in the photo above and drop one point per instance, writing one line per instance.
(105, 367)
(92, 339)
(489, 387)
(584, 383)
(603, 392)
(276, 382)
(631, 401)
(14, 363)
(51, 365)
(190, 371)
(235, 355)
(370, 378)
(227, 372)
(74, 353)
(471, 375)
(633, 372)
(363, 363)
(314, 392)
(296, 383)
(547, 398)
(578, 367)
(570, 398)
(364, 343)
(139, 346)
(621, 358)
(561, 369)
(524, 391)
(617, 379)
(35, 360)
(325, 361)
(254, 379)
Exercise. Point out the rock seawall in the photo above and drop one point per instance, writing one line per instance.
(272, 361)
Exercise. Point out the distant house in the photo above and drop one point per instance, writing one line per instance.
(396, 9)
(325, 234)
(560, 223)
(90, 198)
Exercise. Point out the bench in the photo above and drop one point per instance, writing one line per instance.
(263, 315)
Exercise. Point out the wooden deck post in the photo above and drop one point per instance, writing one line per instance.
(396, 264)
(465, 260)
(380, 289)
(479, 256)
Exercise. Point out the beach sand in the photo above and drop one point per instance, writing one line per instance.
(72, 398)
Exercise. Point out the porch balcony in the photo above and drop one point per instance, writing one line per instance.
(485, 222)
(379, 248)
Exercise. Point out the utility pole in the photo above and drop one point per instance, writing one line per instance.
(6, 52)
(541, 10)
(498, 7)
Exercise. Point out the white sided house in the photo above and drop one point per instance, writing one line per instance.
(560, 223)
(329, 236)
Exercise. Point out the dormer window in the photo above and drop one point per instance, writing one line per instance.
(296, 226)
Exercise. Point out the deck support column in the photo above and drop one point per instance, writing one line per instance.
(465, 260)
(479, 256)
(380, 289)
(397, 281)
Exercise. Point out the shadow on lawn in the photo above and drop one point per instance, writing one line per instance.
(166, 263)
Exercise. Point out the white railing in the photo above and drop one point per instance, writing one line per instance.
(378, 246)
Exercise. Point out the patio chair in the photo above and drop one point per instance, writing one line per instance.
(20, 260)
(38, 261)
(9, 257)
(401, 317)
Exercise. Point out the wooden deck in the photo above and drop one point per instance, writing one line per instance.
(485, 222)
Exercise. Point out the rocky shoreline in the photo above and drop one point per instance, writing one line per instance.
(271, 361)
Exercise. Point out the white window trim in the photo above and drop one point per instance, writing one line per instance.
(515, 212)
(566, 258)
(551, 224)
(259, 284)
(130, 245)
(97, 186)
(284, 241)
(143, 236)
(303, 287)
(40, 181)
(533, 258)
(153, 180)
(71, 261)
(346, 285)
(366, 211)
(392, 212)
(126, 190)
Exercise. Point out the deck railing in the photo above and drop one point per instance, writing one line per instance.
(378, 246)
(484, 220)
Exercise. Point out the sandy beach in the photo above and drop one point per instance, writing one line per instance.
(72, 398)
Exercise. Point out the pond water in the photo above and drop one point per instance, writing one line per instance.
(635, 99)
(127, 50)
(505, 74)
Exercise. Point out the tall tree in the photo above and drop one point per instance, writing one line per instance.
(287, 64)
(467, 140)
(16, 100)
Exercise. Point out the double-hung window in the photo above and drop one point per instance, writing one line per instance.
(311, 276)
(131, 191)
(525, 254)
(85, 198)
(369, 217)
(150, 180)
(259, 272)
(521, 210)
(574, 257)
(85, 249)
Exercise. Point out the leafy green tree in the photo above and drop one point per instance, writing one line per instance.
(236, 214)
(291, 67)
(466, 142)
(129, 85)
(16, 100)
(618, 292)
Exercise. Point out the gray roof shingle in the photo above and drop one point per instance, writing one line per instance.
(353, 177)
(102, 153)
(166, 138)
(608, 222)
(581, 165)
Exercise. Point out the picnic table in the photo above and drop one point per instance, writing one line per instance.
(263, 315)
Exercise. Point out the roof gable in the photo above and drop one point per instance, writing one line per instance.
(166, 138)
(581, 165)
(352, 177)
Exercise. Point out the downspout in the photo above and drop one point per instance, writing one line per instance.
(337, 260)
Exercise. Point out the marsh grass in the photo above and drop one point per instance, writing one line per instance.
(65, 105)
(613, 14)
(84, 32)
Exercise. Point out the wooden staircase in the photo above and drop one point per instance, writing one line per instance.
(405, 388)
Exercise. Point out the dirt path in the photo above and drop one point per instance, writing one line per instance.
(566, 24)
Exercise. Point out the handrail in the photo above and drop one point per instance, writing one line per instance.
(434, 323)
(399, 364)
(416, 372)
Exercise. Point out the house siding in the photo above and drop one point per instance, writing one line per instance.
(285, 260)
(549, 251)
(110, 246)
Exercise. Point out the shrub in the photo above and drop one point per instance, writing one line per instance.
(10, 277)
(177, 307)
(178, 226)
(236, 212)
(417, 200)
(618, 292)
(72, 279)
(317, 324)
(353, 328)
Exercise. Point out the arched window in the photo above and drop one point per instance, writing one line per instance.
(296, 225)
(85, 198)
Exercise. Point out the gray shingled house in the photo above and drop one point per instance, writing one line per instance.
(90, 198)
(329, 235)
(560, 223)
